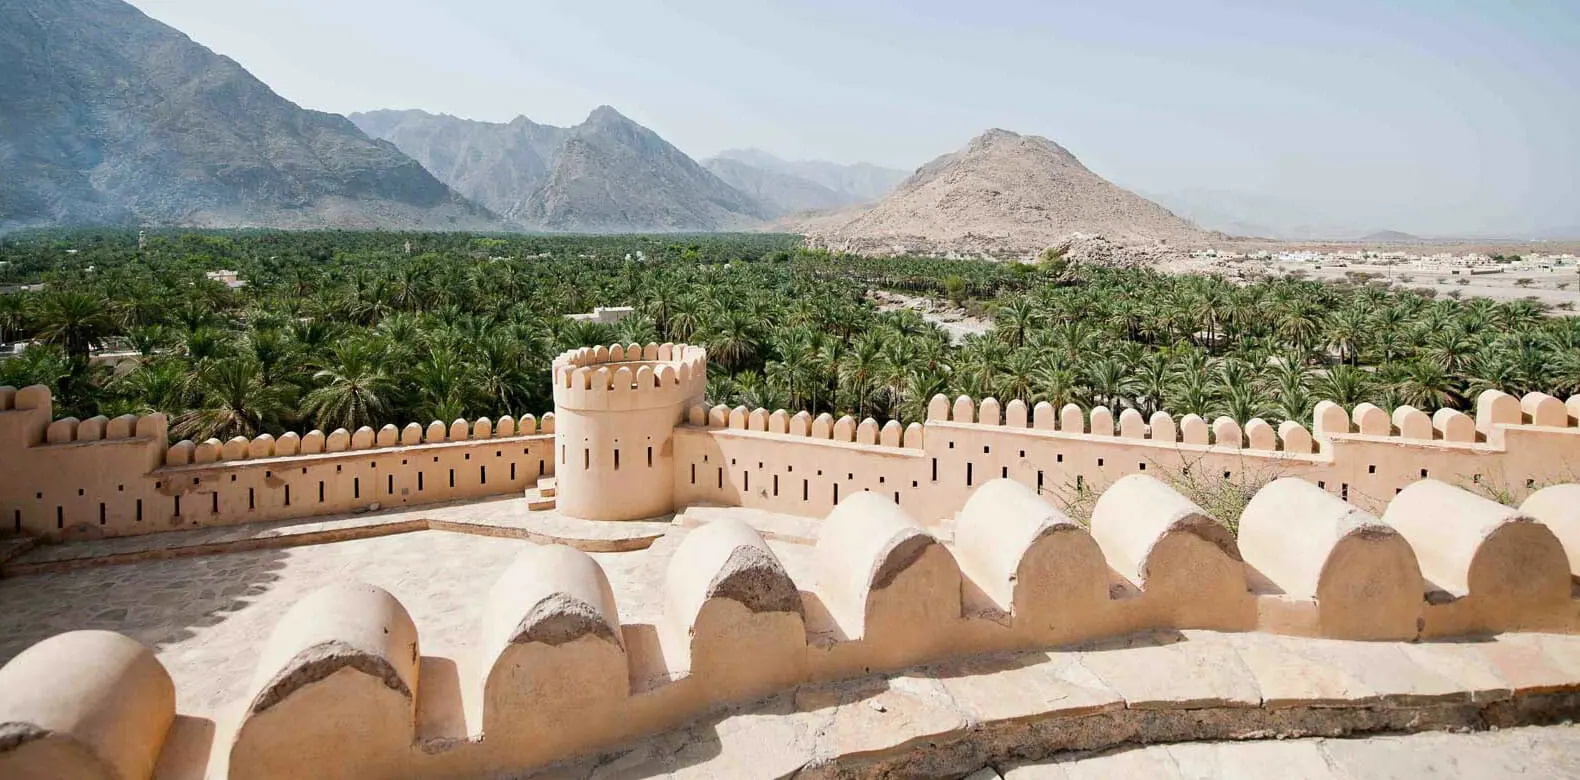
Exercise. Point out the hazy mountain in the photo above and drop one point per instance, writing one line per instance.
(614, 175)
(1003, 193)
(780, 193)
(608, 174)
(493, 164)
(109, 117)
(1389, 237)
(857, 183)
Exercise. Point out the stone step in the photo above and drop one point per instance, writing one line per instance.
(540, 504)
(546, 487)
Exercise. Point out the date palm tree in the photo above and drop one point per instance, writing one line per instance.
(732, 339)
(1426, 386)
(1015, 319)
(1344, 385)
(233, 399)
(76, 320)
(353, 388)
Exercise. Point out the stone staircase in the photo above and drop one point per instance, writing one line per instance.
(541, 497)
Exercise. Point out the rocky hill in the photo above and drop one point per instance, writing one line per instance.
(110, 117)
(493, 164)
(614, 175)
(1003, 194)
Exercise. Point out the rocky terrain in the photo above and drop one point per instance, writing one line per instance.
(1006, 194)
(614, 175)
(607, 174)
(495, 165)
(110, 117)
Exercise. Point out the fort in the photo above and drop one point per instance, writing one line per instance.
(677, 588)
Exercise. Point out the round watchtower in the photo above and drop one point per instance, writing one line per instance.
(615, 412)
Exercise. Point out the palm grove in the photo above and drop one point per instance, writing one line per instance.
(341, 330)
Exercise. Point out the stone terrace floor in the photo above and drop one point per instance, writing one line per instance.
(1532, 752)
(208, 615)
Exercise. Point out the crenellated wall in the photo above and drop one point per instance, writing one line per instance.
(87, 479)
(617, 409)
(803, 465)
(338, 693)
(631, 440)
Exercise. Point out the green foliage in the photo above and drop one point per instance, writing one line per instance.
(350, 329)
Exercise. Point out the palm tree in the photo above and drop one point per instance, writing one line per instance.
(1346, 332)
(78, 321)
(1108, 383)
(636, 329)
(1289, 381)
(160, 385)
(13, 312)
(353, 388)
(443, 386)
(1344, 385)
(506, 374)
(1153, 376)
(733, 339)
(1014, 320)
(1426, 386)
(1193, 393)
(1301, 323)
(1018, 378)
(146, 339)
(859, 369)
(233, 400)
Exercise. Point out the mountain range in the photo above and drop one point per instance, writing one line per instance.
(610, 173)
(110, 117)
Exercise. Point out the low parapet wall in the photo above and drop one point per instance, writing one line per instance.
(338, 693)
(632, 417)
(86, 479)
(803, 465)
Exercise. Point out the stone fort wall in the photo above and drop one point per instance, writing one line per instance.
(72, 478)
(633, 417)
(805, 466)
(616, 410)
(342, 688)
(1372, 531)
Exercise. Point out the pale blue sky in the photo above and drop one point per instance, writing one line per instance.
(1428, 116)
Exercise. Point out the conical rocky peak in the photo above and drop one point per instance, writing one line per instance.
(1004, 193)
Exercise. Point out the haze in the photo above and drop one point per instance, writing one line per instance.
(1339, 119)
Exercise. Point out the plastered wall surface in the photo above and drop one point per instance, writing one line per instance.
(1373, 526)
(631, 440)
(96, 478)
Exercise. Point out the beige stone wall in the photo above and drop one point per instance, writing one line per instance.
(631, 441)
(87, 479)
(796, 464)
(342, 689)
(616, 410)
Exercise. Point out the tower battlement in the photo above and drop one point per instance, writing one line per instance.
(617, 408)
(630, 377)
